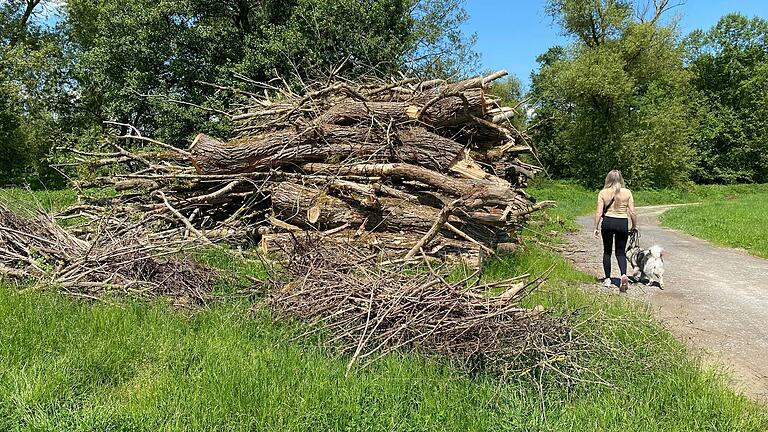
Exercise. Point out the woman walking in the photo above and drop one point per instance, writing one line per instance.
(616, 207)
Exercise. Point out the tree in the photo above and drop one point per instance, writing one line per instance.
(35, 89)
(436, 45)
(12, 156)
(615, 98)
(729, 64)
(141, 57)
(15, 18)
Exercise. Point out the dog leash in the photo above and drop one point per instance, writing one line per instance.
(634, 239)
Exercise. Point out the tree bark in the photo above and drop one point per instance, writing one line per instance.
(444, 112)
(413, 145)
(475, 192)
(292, 203)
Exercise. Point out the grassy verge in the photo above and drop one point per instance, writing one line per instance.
(25, 200)
(574, 200)
(740, 221)
(50, 201)
(74, 366)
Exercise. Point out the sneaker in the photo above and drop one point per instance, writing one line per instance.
(607, 282)
(624, 284)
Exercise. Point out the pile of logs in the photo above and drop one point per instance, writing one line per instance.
(375, 174)
(402, 166)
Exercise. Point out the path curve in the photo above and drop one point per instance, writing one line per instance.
(715, 298)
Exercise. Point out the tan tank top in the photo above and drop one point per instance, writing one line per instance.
(620, 205)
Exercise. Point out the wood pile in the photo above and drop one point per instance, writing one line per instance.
(36, 248)
(351, 181)
(400, 166)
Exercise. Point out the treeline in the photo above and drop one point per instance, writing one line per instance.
(164, 66)
(632, 93)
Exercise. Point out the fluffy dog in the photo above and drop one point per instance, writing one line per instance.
(647, 263)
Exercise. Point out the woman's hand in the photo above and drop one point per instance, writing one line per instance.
(596, 233)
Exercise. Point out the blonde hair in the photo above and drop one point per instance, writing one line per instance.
(615, 181)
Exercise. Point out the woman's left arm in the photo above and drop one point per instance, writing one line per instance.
(598, 215)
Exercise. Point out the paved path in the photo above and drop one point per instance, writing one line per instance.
(715, 298)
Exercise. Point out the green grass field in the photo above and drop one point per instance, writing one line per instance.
(123, 365)
(69, 365)
(731, 215)
(739, 221)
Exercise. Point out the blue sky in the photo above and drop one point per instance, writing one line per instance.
(512, 33)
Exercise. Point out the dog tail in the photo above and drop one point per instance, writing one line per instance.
(656, 251)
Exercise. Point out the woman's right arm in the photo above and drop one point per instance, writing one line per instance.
(632, 212)
(598, 215)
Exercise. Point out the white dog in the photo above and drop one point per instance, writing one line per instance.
(647, 263)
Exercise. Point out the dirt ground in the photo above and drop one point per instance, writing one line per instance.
(715, 299)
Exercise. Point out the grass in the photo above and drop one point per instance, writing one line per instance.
(574, 200)
(71, 365)
(50, 201)
(26, 200)
(741, 221)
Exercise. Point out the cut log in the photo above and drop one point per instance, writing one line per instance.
(468, 168)
(124, 185)
(442, 218)
(293, 203)
(475, 192)
(448, 111)
(329, 142)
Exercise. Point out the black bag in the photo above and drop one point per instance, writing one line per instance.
(610, 203)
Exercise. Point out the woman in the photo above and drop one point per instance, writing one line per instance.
(616, 207)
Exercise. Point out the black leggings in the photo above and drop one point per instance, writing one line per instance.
(618, 227)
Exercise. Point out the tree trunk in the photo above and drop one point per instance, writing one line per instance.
(297, 204)
(21, 27)
(447, 111)
(475, 192)
(329, 142)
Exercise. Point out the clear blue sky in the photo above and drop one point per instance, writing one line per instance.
(512, 33)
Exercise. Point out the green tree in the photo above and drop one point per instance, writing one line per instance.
(139, 58)
(12, 155)
(436, 46)
(616, 97)
(35, 88)
(729, 64)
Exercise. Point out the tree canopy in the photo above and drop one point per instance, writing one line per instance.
(631, 93)
(729, 64)
(616, 97)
